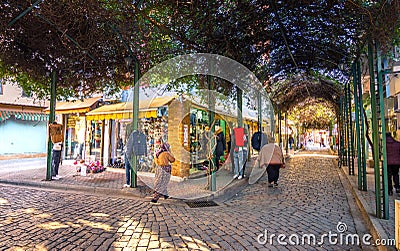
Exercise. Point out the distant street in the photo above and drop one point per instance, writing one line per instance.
(310, 201)
(13, 165)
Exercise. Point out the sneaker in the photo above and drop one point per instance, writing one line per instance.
(270, 184)
(235, 176)
(240, 177)
(58, 176)
(55, 178)
(126, 185)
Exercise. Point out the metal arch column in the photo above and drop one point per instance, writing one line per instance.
(346, 127)
(357, 117)
(358, 106)
(351, 134)
(211, 117)
(362, 128)
(51, 120)
(384, 174)
(342, 156)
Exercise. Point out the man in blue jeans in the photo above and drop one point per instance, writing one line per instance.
(55, 164)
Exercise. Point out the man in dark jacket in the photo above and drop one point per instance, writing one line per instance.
(393, 163)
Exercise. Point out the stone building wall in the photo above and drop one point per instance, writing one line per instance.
(178, 120)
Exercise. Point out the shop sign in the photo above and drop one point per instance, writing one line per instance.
(71, 122)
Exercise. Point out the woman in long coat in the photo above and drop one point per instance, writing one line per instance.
(163, 161)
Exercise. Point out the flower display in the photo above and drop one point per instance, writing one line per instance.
(92, 167)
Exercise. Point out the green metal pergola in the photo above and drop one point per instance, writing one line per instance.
(353, 134)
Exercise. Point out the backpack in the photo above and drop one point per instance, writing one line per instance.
(258, 140)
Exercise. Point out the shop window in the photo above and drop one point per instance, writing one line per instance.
(96, 139)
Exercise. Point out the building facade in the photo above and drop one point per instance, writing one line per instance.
(23, 123)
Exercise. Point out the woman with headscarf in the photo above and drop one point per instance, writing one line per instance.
(163, 161)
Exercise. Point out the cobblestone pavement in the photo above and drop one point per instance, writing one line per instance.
(310, 201)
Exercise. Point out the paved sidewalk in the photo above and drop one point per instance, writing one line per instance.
(383, 229)
(112, 181)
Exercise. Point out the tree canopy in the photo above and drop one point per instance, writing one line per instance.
(85, 42)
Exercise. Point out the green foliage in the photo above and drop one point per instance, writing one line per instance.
(314, 114)
(85, 41)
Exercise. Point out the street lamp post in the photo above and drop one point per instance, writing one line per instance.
(135, 106)
(51, 120)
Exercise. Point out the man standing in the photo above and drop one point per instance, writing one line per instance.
(57, 137)
(55, 164)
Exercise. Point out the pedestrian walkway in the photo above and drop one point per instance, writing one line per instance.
(310, 203)
(383, 230)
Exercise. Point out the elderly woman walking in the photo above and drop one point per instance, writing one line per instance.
(163, 160)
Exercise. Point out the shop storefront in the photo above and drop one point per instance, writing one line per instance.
(180, 122)
(110, 125)
(72, 116)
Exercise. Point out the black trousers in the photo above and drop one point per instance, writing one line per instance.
(273, 172)
(55, 163)
(393, 176)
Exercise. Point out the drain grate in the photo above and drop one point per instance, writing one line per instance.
(201, 203)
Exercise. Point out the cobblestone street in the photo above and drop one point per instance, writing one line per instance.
(310, 200)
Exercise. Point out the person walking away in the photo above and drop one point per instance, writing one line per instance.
(271, 155)
(291, 142)
(163, 161)
(220, 146)
(393, 163)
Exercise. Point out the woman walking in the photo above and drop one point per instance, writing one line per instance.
(272, 156)
(163, 160)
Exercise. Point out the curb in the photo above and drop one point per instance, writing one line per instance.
(374, 226)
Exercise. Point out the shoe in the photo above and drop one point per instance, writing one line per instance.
(58, 176)
(153, 201)
(235, 176)
(55, 178)
(270, 184)
(126, 185)
(166, 197)
(275, 184)
(240, 177)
